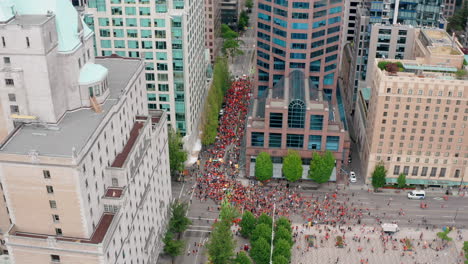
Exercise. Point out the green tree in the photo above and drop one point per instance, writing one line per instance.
(242, 258)
(321, 166)
(243, 20)
(221, 82)
(221, 244)
(260, 251)
(401, 181)
(444, 235)
(231, 47)
(279, 259)
(457, 22)
(227, 32)
(283, 234)
(172, 247)
(263, 167)
(249, 4)
(177, 155)
(265, 219)
(247, 224)
(292, 166)
(378, 176)
(261, 231)
(228, 212)
(179, 221)
(283, 222)
(282, 248)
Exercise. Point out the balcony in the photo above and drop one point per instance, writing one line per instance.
(114, 196)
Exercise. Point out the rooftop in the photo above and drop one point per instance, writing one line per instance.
(69, 23)
(76, 127)
(440, 42)
(96, 237)
(113, 192)
(122, 156)
(29, 20)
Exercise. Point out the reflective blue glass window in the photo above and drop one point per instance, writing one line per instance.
(335, 10)
(317, 44)
(274, 140)
(264, 7)
(318, 24)
(330, 67)
(315, 142)
(331, 58)
(315, 66)
(316, 122)
(298, 46)
(328, 79)
(264, 55)
(334, 20)
(333, 143)
(294, 141)
(264, 26)
(280, 42)
(264, 16)
(280, 22)
(279, 32)
(332, 48)
(280, 52)
(316, 53)
(318, 34)
(282, 2)
(258, 139)
(296, 65)
(297, 55)
(301, 5)
(333, 29)
(263, 45)
(298, 36)
(279, 64)
(300, 26)
(296, 114)
(263, 64)
(263, 36)
(297, 15)
(280, 12)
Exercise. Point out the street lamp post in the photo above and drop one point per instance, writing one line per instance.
(272, 234)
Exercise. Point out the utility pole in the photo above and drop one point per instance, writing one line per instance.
(272, 233)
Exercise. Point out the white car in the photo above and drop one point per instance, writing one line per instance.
(352, 177)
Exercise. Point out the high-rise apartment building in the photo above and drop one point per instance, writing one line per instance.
(299, 35)
(169, 35)
(294, 115)
(388, 12)
(84, 169)
(212, 27)
(417, 115)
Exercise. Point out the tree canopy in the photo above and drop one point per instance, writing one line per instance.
(282, 248)
(282, 233)
(321, 166)
(261, 231)
(401, 181)
(249, 4)
(457, 22)
(260, 251)
(263, 167)
(179, 221)
(279, 259)
(221, 244)
(265, 219)
(247, 224)
(378, 176)
(177, 155)
(243, 20)
(292, 166)
(221, 82)
(242, 258)
(172, 247)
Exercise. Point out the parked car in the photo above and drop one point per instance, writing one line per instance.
(352, 177)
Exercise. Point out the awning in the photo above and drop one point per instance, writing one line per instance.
(424, 182)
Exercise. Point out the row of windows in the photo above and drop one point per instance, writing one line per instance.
(434, 171)
(295, 141)
(296, 115)
(429, 93)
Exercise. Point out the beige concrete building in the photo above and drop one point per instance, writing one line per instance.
(416, 118)
(84, 170)
(212, 27)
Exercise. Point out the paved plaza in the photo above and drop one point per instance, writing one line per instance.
(364, 245)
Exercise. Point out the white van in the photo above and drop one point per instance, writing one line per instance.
(417, 194)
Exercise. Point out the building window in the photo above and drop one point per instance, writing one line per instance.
(46, 174)
(12, 97)
(457, 174)
(415, 171)
(275, 140)
(315, 142)
(396, 170)
(9, 82)
(258, 139)
(53, 204)
(58, 231)
(50, 189)
(276, 120)
(433, 172)
(296, 114)
(316, 122)
(28, 44)
(406, 170)
(14, 109)
(6, 60)
(333, 143)
(295, 141)
(442, 172)
(55, 258)
(424, 171)
(56, 218)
